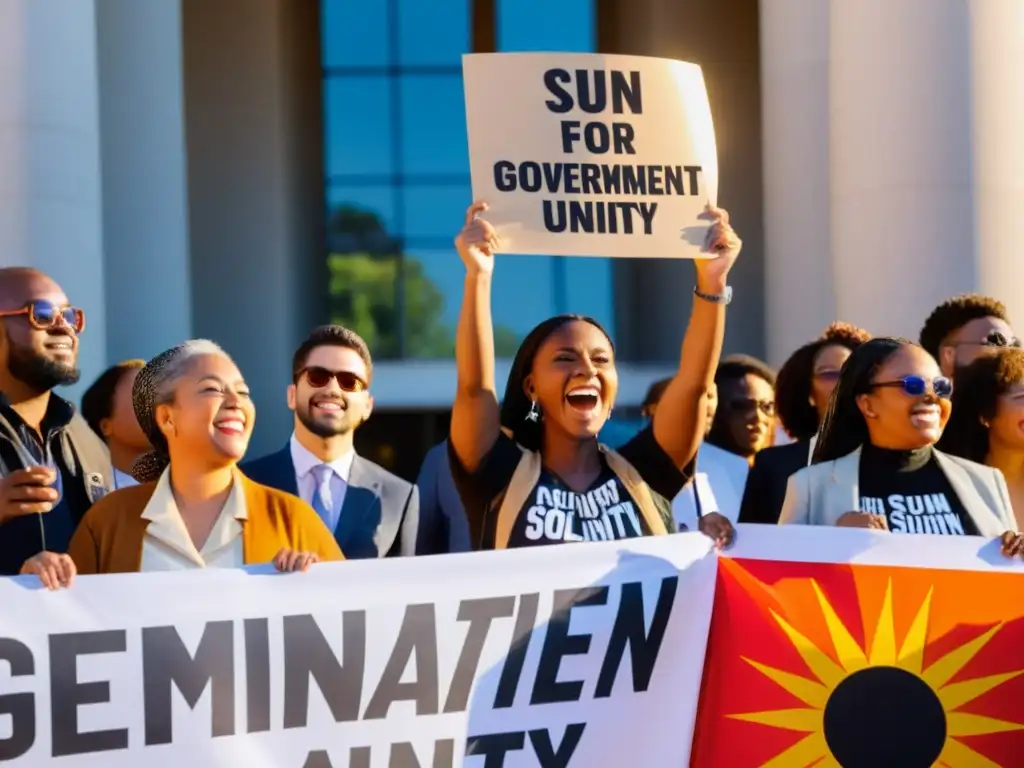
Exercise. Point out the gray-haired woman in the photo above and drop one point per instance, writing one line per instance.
(192, 509)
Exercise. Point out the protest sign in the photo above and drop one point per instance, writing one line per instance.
(834, 646)
(557, 657)
(591, 155)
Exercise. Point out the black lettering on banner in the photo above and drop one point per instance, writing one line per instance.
(67, 694)
(21, 707)
(558, 643)
(494, 747)
(515, 659)
(257, 675)
(630, 631)
(320, 759)
(547, 755)
(480, 614)
(167, 664)
(307, 654)
(417, 640)
(594, 99)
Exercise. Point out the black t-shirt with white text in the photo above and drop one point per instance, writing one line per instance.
(912, 491)
(553, 513)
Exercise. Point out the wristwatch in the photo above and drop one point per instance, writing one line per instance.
(722, 298)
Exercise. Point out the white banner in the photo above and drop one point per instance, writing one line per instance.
(553, 657)
(591, 155)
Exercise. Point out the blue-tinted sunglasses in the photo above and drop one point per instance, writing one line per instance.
(915, 386)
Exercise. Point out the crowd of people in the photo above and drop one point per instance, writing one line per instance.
(149, 474)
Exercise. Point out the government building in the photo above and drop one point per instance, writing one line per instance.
(243, 170)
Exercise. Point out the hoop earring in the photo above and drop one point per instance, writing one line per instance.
(534, 413)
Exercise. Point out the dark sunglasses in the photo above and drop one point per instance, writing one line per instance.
(320, 377)
(915, 386)
(993, 339)
(767, 407)
(44, 315)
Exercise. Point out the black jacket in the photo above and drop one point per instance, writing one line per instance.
(86, 475)
(766, 484)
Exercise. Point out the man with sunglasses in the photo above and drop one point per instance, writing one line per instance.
(372, 512)
(52, 466)
(965, 327)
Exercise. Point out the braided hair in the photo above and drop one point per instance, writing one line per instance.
(155, 386)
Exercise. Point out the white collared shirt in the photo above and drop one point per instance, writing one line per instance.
(167, 545)
(304, 461)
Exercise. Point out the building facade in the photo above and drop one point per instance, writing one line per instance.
(246, 169)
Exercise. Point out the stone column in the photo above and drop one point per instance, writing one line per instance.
(51, 214)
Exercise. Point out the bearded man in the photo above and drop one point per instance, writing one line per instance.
(52, 466)
(372, 512)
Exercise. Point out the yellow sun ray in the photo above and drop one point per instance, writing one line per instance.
(883, 645)
(955, 695)
(850, 654)
(828, 762)
(802, 720)
(805, 752)
(939, 673)
(958, 755)
(965, 724)
(811, 693)
(826, 670)
(911, 656)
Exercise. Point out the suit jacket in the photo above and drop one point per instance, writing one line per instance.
(822, 493)
(766, 484)
(443, 526)
(379, 516)
(109, 539)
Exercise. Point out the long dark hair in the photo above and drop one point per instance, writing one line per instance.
(516, 404)
(975, 398)
(793, 385)
(843, 429)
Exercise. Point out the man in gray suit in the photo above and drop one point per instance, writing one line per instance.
(372, 512)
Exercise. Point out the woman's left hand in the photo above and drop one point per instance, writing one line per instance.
(717, 527)
(1012, 544)
(723, 241)
(288, 560)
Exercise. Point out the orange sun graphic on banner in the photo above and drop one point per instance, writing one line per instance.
(814, 665)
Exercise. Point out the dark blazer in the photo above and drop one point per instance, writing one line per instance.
(766, 484)
(443, 524)
(379, 517)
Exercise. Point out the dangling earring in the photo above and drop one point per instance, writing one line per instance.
(534, 413)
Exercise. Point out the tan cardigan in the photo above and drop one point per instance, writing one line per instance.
(527, 475)
(109, 538)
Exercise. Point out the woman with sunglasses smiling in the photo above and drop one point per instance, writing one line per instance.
(875, 465)
(802, 392)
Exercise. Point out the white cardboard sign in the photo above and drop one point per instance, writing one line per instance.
(591, 155)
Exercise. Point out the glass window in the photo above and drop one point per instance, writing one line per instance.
(434, 32)
(566, 26)
(523, 292)
(362, 293)
(434, 125)
(354, 34)
(433, 293)
(589, 289)
(360, 218)
(357, 125)
(435, 211)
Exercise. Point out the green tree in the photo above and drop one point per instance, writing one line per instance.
(363, 265)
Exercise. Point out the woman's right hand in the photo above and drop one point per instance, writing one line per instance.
(478, 241)
(54, 570)
(863, 520)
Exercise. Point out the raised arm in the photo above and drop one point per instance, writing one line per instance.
(475, 416)
(680, 419)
